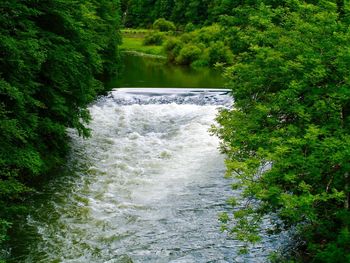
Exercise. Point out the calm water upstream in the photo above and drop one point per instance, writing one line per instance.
(147, 186)
(141, 71)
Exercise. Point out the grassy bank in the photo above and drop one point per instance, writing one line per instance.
(203, 47)
(133, 41)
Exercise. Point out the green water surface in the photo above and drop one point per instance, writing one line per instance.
(146, 71)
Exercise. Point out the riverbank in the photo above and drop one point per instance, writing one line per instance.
(204, 47)
(133, 42)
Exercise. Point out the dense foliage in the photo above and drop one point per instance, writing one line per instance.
(140, 13)
(53, 56)
(206, 46)
(287, 139)
(163, 25)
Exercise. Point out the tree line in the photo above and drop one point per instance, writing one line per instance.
(141, 13)
(54, 56)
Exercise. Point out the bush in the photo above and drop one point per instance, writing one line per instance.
(218, 52)
(156, 38)
(208, 46)
(190, 27)
(173, 47)
(187, 37)
(208, 34)
(200, 48)
(188, 54)
(200, 63)
(163, 25)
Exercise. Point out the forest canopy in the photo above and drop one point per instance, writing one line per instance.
(141, 13)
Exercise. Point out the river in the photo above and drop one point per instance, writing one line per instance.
(147, 186)
(145, 71)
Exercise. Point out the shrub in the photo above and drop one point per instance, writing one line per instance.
(156, 38)
(187, 37)
(163, 25)
(218, 52)
(190, 27)
(199, 63)
(172, 47)
(188, 54)
(208, 34)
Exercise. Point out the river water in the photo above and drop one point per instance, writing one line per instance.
(145, 71)
(148, 186)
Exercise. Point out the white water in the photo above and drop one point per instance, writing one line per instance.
(147, 184)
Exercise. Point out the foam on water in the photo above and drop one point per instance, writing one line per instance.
(148, 184)
(144, 96)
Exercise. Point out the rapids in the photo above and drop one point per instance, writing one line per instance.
(147, 184)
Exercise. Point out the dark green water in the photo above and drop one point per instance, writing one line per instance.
(141, 71)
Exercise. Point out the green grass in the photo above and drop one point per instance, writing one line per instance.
(135, 33)
(135, 30)
(136, 44)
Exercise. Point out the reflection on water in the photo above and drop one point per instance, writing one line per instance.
(141, 71)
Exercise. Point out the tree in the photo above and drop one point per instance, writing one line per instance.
(163, 25)
(138, 13)
(287, 139)
(53, 56)
(162, 8)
